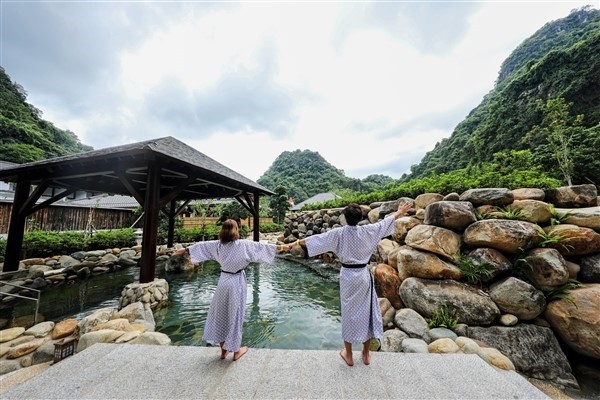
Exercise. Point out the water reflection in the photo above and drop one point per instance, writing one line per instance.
(288, 306)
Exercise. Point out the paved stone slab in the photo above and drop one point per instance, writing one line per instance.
(126, 371)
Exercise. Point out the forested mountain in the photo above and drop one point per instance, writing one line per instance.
(559, 64)
(24, 135)
(306, 173)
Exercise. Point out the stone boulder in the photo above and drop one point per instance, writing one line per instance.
(578, 322)
(403, 225)
(385, 247)
(388, 312)
(508, 236)
(584, 217)
(440, 241)
(387, 284)
(573, 196)
(518, 298)
(528, 194)
(574, 240)
(488, 196)
(422, 264)
(425, 199)
(534, 351)
(473, 306)
(500, 265)
(412, 323)
(534, 211)
(547, 268)
(589, 269)
(453, 215)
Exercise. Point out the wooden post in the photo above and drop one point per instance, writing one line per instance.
(151, 210)
(16, 228)
(256, 217)
(172, 215)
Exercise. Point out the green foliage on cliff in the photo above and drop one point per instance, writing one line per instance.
(24, 135)
(511, 169)
(305, 173)
(560, 61)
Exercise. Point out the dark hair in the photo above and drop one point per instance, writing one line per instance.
(353, 214)
(229, 231)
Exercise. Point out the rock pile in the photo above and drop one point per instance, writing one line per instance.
(134, 324)
(515, 271)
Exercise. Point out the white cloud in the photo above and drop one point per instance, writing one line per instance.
(371, 86)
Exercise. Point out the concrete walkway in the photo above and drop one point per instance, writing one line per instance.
(110, 371)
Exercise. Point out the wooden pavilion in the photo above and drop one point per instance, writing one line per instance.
(157, 173)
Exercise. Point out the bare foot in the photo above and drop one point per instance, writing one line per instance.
(366, 357)
(238, 354)
(223, 351)
(347, 358)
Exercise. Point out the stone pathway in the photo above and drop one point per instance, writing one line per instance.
(114, 371)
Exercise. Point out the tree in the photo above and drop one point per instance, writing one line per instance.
(556, 131)
(279, 204)
(233, 210)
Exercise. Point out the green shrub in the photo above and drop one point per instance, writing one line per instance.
(444, 317)
(45, 244)
(2, 249)
(113, 238)
(267, 227)
(197, 234)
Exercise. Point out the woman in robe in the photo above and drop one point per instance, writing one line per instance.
(225, 317)
(354, 245)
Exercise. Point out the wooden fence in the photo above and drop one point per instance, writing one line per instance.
(196, 222)
(61, 218)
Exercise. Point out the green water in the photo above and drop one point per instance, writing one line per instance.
(289, 305)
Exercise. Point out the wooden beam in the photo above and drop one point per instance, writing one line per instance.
(175, 192)
(51, 200)
(244, 204)
(33, 197)
(130, 188)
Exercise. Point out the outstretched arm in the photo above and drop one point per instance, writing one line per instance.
(403, 208)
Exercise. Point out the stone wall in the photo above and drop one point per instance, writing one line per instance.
(540, 286)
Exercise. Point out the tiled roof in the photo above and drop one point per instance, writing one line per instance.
(318, 198)
(104, 201)
(102, 170)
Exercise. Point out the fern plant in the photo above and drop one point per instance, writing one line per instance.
(513, 213)
(549, 238)
(563, 292)
(444, 317)
(556, 218)
(474, 271)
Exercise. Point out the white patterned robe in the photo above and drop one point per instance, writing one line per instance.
(361, 316)
(226, 312)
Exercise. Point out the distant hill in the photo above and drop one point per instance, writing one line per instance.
(305, 173)
(24, 135)
(561, 60)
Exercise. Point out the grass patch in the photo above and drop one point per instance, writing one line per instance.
(444, 317)
(563, 292)
(474, 271)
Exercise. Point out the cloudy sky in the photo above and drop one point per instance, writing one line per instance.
(371, 86)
